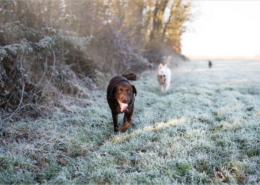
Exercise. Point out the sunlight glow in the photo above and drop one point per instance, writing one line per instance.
(169, 123)
(224, 29)
(239, 81)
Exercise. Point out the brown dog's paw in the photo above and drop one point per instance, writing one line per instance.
(122, 130)
(116, 130)
(125, 127)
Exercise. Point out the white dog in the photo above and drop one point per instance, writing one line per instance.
(164, 77)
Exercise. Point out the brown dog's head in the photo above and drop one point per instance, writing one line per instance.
(124, 94)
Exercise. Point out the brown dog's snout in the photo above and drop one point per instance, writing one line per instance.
(124, 100)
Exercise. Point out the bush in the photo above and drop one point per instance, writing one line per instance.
(36, 71)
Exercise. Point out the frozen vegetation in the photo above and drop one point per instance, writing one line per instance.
(204, 130)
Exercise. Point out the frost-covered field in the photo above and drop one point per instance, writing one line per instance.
(206, 129)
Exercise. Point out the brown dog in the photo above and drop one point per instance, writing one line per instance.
(120, 97)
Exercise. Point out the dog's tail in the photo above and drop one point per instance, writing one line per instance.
(130, 76)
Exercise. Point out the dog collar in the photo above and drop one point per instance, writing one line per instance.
(110, 88)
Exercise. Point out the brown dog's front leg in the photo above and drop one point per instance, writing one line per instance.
(115, 120)
(127, 121)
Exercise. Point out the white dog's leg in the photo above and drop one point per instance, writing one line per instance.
(161, 87)
(167, 87)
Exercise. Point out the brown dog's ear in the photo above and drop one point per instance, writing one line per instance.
(113, 90)
(134, 89)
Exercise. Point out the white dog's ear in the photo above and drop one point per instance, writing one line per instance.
(160, 66)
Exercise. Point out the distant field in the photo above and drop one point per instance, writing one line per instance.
(205, 130)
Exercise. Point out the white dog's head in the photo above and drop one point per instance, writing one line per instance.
(163, 71)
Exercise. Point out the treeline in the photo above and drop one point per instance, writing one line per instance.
(159, 21)
(53, 48)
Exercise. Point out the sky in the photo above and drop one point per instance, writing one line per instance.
(223, 29)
